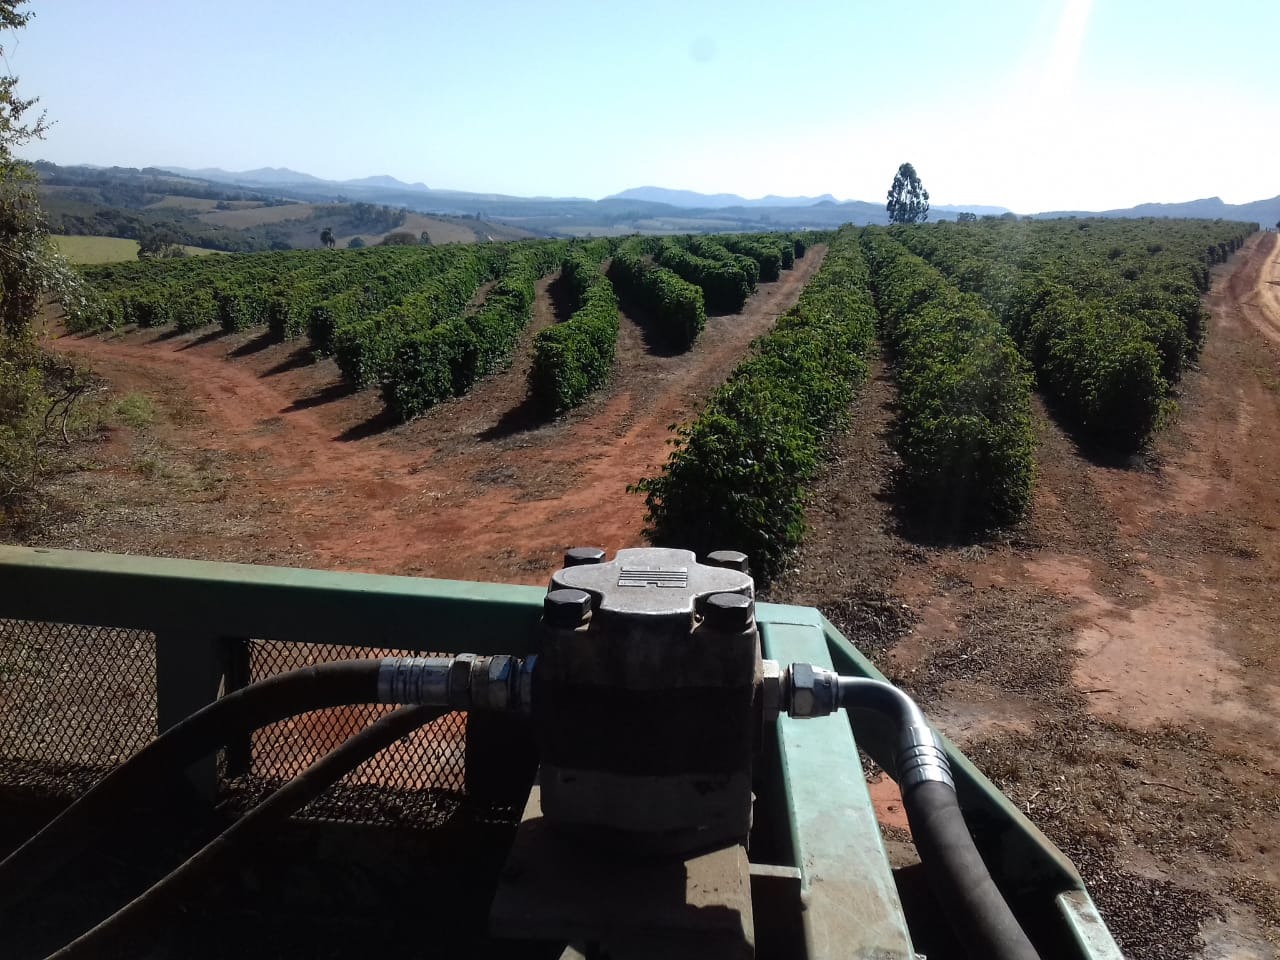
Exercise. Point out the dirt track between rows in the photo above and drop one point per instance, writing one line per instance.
(476, 489)
(1114, 663)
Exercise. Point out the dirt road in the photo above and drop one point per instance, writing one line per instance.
(476, 489)
(1113, 663)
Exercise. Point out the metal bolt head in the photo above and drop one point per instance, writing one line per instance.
(566, 608)
(583, 556)
(728, 559)
(728, 611)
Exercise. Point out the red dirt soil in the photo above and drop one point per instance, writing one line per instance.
(475, 490)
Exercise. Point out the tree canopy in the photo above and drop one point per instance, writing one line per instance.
(37, 390)
(908, 199)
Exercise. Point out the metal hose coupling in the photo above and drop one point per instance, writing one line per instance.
(464, 682)
(920, 757)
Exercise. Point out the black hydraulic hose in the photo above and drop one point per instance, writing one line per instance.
(286, 801)
(241, 712)
(974, 906)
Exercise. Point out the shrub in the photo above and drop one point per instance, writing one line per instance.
(725, 283)
(965, 435)
(431, 363)
(738, 474)
(677, 305)
(573, 358)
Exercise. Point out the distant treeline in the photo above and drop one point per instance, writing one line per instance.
(130, 187)
(116, 202)
(70, 216)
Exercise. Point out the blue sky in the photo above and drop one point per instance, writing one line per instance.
(1031, 105)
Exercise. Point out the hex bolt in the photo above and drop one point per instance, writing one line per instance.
(566, 608)
(728, 611)
(728, 559)
(583, 556)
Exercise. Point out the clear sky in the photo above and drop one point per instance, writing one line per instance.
(1030, 104)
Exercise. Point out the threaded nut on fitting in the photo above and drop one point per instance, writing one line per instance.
(815, 692)
(501, 675)
(460, 681)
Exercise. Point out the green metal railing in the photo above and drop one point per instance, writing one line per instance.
(99, 653)
(158, 639)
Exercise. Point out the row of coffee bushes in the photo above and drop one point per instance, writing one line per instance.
(711, 249)
(243, 297)
(739, 473)
(1108, 311)
(964, 392)
(677, 306)
(237, 291)
(293, 305)
(152, 293)
(773, 252)
(573, 358)
(446, 356)
(388, 284)
(364, 345)
(726, 280)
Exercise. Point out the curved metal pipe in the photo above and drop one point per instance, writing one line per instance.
(974, 906)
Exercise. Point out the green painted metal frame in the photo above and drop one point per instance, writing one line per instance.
(197, 608)
(852, 908)
(1029, 864)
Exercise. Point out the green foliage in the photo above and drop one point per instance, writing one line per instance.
(1107, 311)
(573, 358)
(726, 280)
(159, 243)
(908, 199)
(965, 435)
(738, 474)
(135, 410)
(38, 391)
(432, 362)
(771, 252)
(677, 305)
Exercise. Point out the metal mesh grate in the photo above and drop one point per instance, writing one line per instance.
(74, 702)
(418, 779)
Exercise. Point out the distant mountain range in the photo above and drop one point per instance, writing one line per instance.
(1265, 212)
(714, 201)
(655, 209)
(282, 176)
(691, 200)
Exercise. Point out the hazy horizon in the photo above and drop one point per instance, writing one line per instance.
(1074, 105)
